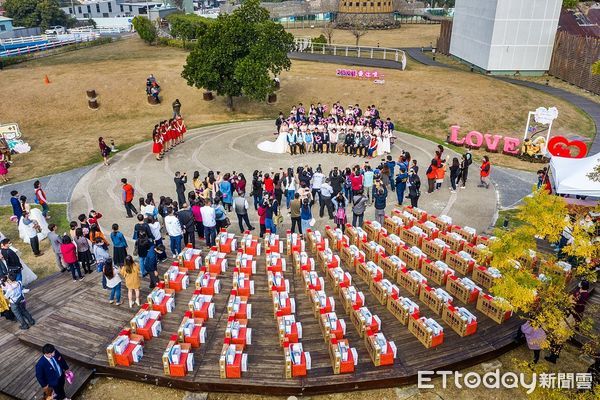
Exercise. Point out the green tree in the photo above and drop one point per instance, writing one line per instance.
(187, 26)
(36, 13)
(596, 68)
(145, 29)
(570, 3)
(239, 54)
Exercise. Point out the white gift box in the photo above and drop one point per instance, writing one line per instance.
(249, 335)
(417, 230)
(308, 360)
(393, 347)
(188, 328)
(495, 273)
(443, 295)
(430, 225)
(469, 284)
(409, 305)
(417, 276)
(211, 310)
(430, 323)
(171, 304)
(137, 353)
(185, 282)
(202, 334)
(445, 219)
(440, 243)
(417, 251)
(175, 354)
(142, 319)
(156, 328)
(190, 362)
(244, 362)
(564, 265)
(469, 230)
(456, 236)
(467, 315)
(120, 344)
(230, 355)
(466, 256)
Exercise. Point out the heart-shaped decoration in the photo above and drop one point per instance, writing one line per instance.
(561, 147)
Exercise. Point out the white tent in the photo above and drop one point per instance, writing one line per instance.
(569, 175)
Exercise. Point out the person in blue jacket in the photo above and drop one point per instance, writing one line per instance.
(16, 204)
(401, 180)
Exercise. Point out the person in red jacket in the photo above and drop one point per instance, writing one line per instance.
(484, 174)
(69, 254)
(127, 197)
(357, 181)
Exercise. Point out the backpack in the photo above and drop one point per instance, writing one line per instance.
(347, 182)
(469, 159)
(340, 215)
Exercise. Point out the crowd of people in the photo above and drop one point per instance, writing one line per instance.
(166, 135)
(352, 131)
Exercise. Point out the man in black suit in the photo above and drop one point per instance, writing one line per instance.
(180, 181)
(188, 223)
(50, 371)
(11, 260)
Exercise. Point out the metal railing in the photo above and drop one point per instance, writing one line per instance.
(100, 30)
(305, 45)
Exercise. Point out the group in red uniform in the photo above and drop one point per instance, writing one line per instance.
(167, 135)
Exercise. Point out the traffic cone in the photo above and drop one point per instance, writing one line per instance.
(46, 80)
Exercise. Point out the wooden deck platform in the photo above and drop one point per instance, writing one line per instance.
(77, 318)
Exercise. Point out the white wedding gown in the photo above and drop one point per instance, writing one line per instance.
(34, 214)
(278, 146)
(28, 275)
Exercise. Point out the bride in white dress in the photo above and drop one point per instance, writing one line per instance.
(35, 215)
(278, 146)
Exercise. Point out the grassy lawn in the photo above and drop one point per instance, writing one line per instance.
(45, 264)
(63, 132)
(511, 215)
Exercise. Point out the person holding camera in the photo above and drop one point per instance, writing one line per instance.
(326, 194)
(180, 181)
(379, 198)
(11, 260)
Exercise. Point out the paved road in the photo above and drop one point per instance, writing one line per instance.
(588, 106)
(359, 61)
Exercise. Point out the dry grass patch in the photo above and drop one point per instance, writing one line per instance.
(63, 132)
(409, 35)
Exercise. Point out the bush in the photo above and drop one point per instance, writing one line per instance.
(319, 40)
(187, 26)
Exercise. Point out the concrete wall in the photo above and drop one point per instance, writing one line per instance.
(505, 35)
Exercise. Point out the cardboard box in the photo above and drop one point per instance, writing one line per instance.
(443, 222)
(419, 214)
(393, 223)
(561, 270)
(245, 263)
(312, 281)
(412, 256)
(251, 245)
(242, 284)
(283, 304)
(479, 252)
(332, 326)
(435, 249)
(275, 263)
(373, 251)
(276, 282)
(430, 229)
(496, 308)
(343, 357)
(294, 243)
(461, 261)
(321, 302)
(457, 321)
(454, 240)
(370, 272)
(437, 271)
(175, 359)
(484, 277)
(463, 289)
(381, 350)
(402, 308)
(351, 298)
(176, 278)
(413, 236)
(364, 321)
(207, 284)
(290, 331)
(226, 242)
(429, 338)
(233, 361)
(202, 306)
(434, 298)
(166, 297)
(126, 349)
(272, 243)
(391, 243)
(468, 233)
(146, 323)
(303, 262)
(339, 278)
(237, 331)
(382, 289)
(391, 265)
(238, 306)
(373, 229)
(190, 258)
(192, 331)
(297, 361)
(411, 280)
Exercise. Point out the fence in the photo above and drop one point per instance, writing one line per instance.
(443, 42)
(99, 30)
(305, 45)
(572, 60)
(48, 44)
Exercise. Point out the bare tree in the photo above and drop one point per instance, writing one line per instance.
(328, 30)
(358, 29)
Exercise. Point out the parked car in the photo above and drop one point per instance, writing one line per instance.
(55, 30)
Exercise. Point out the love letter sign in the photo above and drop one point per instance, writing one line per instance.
(561, 147)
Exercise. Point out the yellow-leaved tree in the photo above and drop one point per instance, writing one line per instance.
(531, 280)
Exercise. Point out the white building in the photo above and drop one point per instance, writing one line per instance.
(505, 36)
(109, 8)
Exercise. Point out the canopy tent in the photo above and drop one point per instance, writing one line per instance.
(569, 175)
